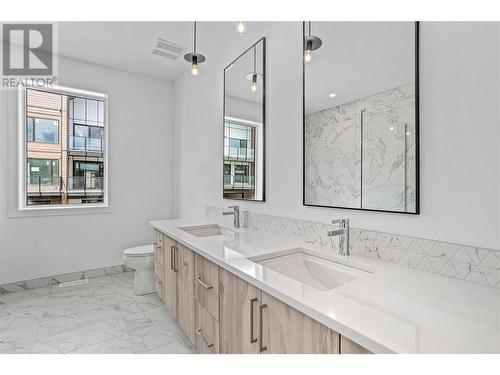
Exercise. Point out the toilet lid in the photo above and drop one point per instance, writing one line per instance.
(140, 250)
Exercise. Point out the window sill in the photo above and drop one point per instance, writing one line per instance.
(59, 211)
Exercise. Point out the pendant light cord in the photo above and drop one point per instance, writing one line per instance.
(254, 59)
(309, 28)
(194, 36)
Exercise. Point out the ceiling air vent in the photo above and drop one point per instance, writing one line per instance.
(168, 49)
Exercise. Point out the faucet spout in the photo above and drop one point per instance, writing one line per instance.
(343, 233)
(235, 213)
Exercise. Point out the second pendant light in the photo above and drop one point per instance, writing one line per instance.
(194, 58)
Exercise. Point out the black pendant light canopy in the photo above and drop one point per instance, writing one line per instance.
(194, 58)
(311, 43)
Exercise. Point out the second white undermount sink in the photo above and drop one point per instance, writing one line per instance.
(207, 230)
(311, 269)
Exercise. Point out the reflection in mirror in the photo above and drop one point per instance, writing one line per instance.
(244, 124)
(361, 116)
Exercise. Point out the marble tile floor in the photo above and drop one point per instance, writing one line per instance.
(103, 316)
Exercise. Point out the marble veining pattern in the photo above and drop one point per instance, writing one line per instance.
(362, 154)
(469, 263)
(101, 316)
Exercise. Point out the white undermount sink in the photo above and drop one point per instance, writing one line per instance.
(310, 268)
(207, 230)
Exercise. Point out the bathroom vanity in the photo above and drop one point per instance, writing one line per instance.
(222, 313)
(246, 291)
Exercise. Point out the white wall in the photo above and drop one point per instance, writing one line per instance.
(460, 145)
(243, 109)
(140, 180)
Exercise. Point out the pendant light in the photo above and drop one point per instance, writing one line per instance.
(311, 43)
(193, 57)
(253, 85)
(253, 76)
(241, 28)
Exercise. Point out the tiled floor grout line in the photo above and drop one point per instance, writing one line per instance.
(156, 347)
(123, 317)
(40, 320)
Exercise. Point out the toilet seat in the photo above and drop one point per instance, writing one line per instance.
(140, 251)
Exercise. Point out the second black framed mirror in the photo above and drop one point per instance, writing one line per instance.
(361, 116)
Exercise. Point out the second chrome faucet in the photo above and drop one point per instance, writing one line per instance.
(236, 213)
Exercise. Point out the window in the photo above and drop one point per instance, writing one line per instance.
(81, 131)
(238, 142)
(43, 171)
(42, 130)
(64, 155)
(86, 118)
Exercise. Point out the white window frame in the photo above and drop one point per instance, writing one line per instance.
(258, 153)
(22, 206)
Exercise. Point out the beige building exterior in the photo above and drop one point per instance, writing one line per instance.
(62, 168)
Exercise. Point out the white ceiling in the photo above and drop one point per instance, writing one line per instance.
(358, 59)
(129, 45)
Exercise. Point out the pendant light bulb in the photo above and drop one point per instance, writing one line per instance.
(308, 56)
(194, 70)
(194, 66)
(241, 28)
(253, 86)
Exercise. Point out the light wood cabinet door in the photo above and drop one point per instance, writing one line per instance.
(158, 244)
(158, 275)
(184, 266)
(239, 323)
(288, 331)
(350, 347)
(206, 331)
(169, 275)
(206, 284)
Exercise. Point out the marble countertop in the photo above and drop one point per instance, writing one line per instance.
(393, 310)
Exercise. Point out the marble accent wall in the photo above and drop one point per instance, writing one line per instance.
(469, 263)
(362, 154)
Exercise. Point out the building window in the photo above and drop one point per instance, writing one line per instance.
(42, 130)
(65, 148)
(86, 119)
(43, 171)
(239, 158)
(238, 141)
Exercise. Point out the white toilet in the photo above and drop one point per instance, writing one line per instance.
(141, 259)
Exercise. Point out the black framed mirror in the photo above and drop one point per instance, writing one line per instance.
(244, 123)
(361, 116)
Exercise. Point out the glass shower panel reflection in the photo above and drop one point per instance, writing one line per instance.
(383, 162)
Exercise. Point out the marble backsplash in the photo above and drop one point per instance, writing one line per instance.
(469, 263)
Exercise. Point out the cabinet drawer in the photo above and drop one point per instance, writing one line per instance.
(159, 279)
(206, 281)
(206, 331)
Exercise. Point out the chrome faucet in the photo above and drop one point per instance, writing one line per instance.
(236, 213)
(343, 233)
